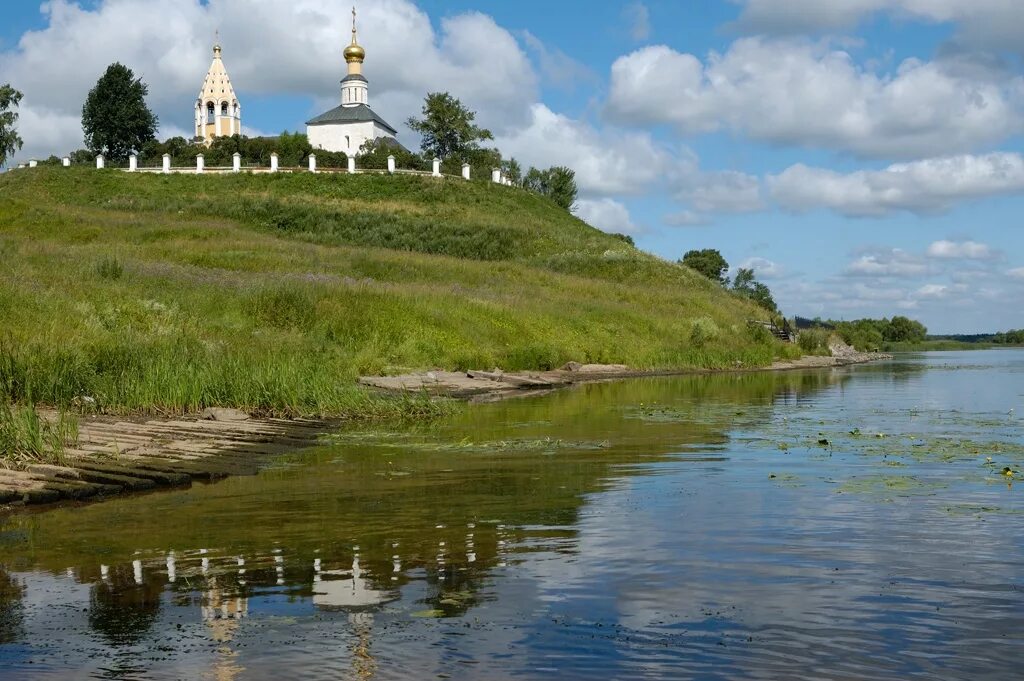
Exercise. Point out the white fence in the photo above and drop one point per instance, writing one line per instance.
(497, 176)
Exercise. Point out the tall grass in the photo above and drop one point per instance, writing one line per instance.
(26, 436)
(170, 294)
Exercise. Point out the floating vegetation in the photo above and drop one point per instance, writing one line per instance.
(890, 486)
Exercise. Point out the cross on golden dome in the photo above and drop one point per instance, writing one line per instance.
(354, 53)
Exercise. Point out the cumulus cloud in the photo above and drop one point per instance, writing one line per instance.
(990, 24)
(763, 268)
(927, 186)
(722, 192)
(886, 263)
(808, 94)
(606, 214)
(959, 250)
(270, 48)
(606, 162)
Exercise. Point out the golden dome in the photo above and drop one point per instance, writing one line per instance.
(354, 52)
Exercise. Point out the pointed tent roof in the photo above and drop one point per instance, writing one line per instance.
(217, 85)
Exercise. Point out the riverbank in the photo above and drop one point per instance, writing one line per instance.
(116, 456)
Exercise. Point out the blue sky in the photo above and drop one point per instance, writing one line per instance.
(864, 156)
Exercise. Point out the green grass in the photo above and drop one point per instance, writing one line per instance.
(26, 436)
(272, 293)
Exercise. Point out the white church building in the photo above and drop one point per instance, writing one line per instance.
(348, 126)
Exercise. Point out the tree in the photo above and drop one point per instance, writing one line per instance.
(557, 183)
(710, 263)
(10, 141)
(513, 171)
(115, 118)
(904, 330)
(745, 284)
(447, 127)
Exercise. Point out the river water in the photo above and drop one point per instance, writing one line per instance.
(848, 523)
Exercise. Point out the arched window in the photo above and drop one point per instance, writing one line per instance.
(348, 144)
(224, 109)
(211, 114)
(234, 110)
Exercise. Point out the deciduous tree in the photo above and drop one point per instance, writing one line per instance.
(115, 117)
(10, 141)
(710, 263)
(447, 127)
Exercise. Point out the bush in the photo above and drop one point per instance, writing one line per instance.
(813, 341)
(109, 268)
(703, 330)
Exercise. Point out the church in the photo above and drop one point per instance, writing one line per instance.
(348, 126)
(218, 113)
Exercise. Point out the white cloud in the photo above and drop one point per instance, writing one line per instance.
(959, 250)
(638, 20)
(763, 268)
(1016, 273)
(989, 24)
(808, 94)
(723, 192)
(886, 263)
(273, 47)
(932, 291)
(607, 215)
(608, 161)
(928, 186)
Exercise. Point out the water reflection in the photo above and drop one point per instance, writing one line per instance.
(614, 530)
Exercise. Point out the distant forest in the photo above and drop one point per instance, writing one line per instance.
(873, 334)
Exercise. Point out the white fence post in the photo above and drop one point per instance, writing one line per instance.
(167, 163)
(66, 161)
(236, 162)
(436, 172)
(200, 163)
(133, 163)
(391, 164)
(100, 162)
(351, 164)
(312, 163)
(273, 162)
(465, 171)
(495, 175)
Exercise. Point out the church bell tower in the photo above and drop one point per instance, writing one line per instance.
(218, 113)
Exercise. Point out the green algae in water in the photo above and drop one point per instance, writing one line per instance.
(887, 486)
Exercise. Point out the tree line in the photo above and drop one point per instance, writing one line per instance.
(116, 122)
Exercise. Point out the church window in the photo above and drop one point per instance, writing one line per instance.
(210, 112)
(224, 109)
(348, 145)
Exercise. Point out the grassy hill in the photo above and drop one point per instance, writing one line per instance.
(152, 293)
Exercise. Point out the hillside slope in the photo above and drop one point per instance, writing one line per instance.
(273, 292)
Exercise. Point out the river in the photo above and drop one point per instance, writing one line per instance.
(845, 523)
